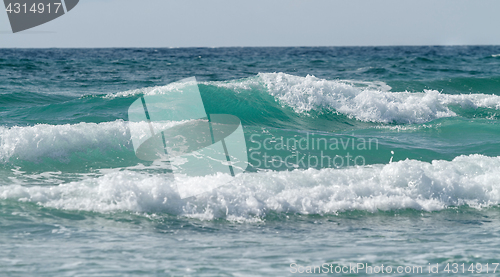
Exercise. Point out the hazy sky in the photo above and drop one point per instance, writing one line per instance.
(213, 23)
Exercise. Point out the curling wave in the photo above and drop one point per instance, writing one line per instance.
(364, 101)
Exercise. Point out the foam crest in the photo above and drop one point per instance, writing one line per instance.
(60, 141)
(31, 143)
(369, 104)
(146, 91)
(467, 180)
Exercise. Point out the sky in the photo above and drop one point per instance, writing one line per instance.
(219, 23)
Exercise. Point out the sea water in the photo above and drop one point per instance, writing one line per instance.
(361, 159)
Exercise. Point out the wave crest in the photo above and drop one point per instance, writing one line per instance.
(59, 141)
(467, 180)
(364, 101)
(305, 94)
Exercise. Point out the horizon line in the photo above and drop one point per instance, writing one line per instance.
(215, 47)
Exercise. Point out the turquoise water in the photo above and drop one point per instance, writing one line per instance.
(374, 155)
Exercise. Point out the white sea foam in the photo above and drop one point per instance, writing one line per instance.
(147, 91)
(367, 104)
(467, 180)
(58, 142)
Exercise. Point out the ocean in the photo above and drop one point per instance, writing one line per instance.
(362, 161)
